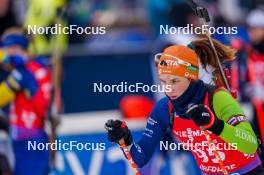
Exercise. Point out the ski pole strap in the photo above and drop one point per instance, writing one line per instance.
(129, 157)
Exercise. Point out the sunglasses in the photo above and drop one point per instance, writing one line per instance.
(178, 60)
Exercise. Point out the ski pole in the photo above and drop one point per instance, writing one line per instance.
(202, 13)
(129, 157)
(216, 154)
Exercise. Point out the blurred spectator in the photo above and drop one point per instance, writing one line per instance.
(27, 88)
(256, 29)
(250, 58)
(46, 13)
(255, 69)
(247, 72)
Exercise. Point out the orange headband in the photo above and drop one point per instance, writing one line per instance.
(178, 60)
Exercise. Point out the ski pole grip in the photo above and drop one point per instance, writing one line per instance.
(201, 12)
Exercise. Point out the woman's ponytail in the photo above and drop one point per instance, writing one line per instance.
(206, 54)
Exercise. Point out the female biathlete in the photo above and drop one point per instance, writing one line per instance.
(27, 90)
(197, 114)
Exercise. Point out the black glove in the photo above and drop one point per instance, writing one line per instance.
(118, 130)
(204, 117)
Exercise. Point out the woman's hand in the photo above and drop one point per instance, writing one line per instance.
(205, 118)
(118, 132)
(201, 115)
(12, 59)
